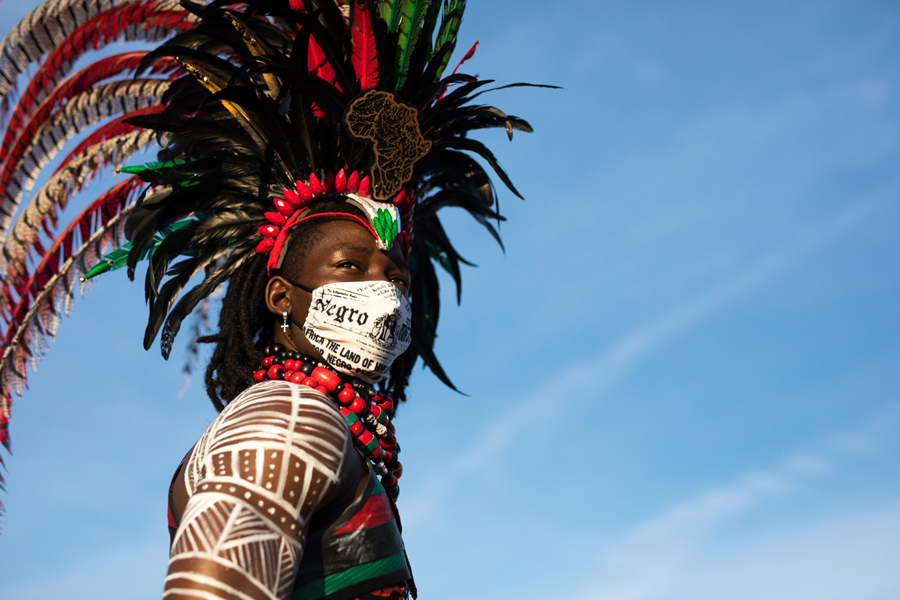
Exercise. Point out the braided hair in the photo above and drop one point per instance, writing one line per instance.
(242, 325)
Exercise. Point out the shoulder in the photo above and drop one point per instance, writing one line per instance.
(277, 395)
(278, 404)
(276, 418)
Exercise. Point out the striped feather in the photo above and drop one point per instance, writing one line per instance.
(86, 109)
(130, 22)
(39, 32)
(81, 82)
(83, 227)
(50, 292)
(55, 194)
(48, 26)
(109, 130)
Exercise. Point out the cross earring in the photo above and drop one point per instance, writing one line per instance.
(284, 325)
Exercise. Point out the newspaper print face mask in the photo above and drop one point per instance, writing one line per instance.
(360, 327)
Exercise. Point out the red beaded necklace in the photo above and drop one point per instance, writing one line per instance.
(368, 412)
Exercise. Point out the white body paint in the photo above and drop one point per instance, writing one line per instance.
(255, 479)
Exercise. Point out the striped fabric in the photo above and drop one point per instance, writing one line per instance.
(361, 551)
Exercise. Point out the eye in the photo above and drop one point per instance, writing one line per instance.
(349, 264)
(401, 282)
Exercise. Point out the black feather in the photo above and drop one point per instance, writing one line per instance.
(187, 303)
(243, 162)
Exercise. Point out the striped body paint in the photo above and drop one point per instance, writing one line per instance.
(256, 477)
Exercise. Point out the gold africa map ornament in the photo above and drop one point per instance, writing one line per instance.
(393, 129)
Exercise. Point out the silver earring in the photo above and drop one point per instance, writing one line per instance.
(284, 325)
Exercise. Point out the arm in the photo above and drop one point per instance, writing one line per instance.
(264, 467)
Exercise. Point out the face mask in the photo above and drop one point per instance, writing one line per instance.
(359, 327)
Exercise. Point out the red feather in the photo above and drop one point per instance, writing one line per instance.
(365, 56)
(316, 62)
(31, 328)
(91, 219)
(467, 56)
(319, 66)
(81, 82)
(132, 21)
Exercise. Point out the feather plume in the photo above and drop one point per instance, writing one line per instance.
(117, 23)
(29, 115)
(75, 174)
(90, 223)
(49, 25)
(50, 292)
(365, 55)
(82, 111)
(38, 33)
(115, 128)
(260, 107)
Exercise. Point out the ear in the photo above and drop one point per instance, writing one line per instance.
(278, 295)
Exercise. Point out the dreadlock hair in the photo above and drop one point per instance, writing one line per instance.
(245, 326)
(241, 324)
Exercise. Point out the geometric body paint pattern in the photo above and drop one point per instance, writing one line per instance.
(255, 478)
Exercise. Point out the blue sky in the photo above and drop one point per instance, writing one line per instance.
(682, 374)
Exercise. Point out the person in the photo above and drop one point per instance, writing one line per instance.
(306, 148)
(285, 449)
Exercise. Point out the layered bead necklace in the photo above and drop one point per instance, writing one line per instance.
(368, 412)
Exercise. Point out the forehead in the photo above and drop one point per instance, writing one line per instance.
(334, 234)
(345, 236)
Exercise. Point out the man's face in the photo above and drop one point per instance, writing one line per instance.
(344, 251)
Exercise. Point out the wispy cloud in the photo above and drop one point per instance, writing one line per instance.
(689, 550)
(623, 355)
(616, 361)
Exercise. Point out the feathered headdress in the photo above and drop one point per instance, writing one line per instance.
(262, 109)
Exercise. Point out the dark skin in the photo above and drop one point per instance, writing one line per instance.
(344, 251)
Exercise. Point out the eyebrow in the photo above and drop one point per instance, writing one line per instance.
(362, 249)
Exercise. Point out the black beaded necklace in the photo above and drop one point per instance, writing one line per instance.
(368, 412)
